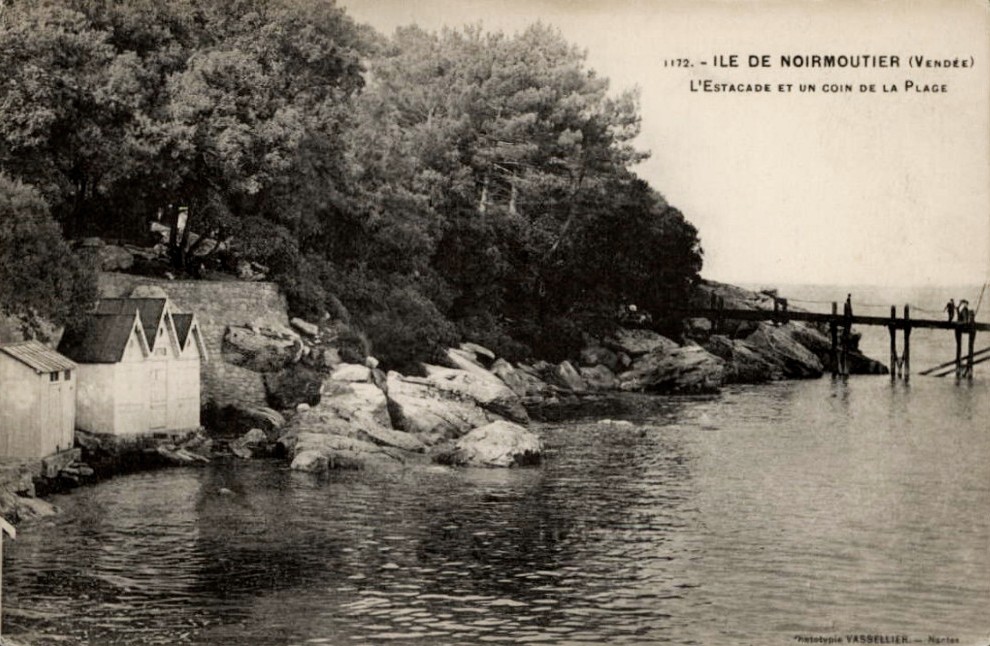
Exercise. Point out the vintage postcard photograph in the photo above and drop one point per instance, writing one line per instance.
(494, 322)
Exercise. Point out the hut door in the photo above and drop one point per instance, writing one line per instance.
(159, 395)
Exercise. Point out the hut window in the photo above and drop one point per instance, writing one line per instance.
(52, 376)
(68, 375)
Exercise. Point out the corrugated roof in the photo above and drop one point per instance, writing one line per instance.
(38, 356)
(183, 323)
(102, 340)
(150, 309)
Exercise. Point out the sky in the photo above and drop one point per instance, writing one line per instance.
(791, 187)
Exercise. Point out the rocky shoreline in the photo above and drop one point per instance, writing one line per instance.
(322, 412)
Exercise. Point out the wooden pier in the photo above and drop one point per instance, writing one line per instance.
(900, 364)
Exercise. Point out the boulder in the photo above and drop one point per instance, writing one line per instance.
(356, 402)
(598, 355)
(690, 369)
(310, 461)
(567, 376)
(114, 258)
(464, 360)
(637, 342)
(522, 383)
(351, 372)
(417, 406)
(340, 452)
(307, 328)
(259, 349)
(697, 328)
(499, 444)
(479, 353)
(743, 363)
(249, 444)
(483, 387)
(779, 345)
(599, 378)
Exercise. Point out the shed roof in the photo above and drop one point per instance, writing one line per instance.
(102, 340)
(150, 310)
(38, 356)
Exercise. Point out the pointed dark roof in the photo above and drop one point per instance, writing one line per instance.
(37, 356)
(183, 323)
(150, 310)
(102, 339)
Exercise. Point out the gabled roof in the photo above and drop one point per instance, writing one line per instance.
(183, 323)
(151, 311)
(103, 339)
(37, 356)
(187, 329)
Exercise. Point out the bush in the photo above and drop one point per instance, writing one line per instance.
(407, 330)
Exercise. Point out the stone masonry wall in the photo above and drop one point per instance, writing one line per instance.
(216, 305)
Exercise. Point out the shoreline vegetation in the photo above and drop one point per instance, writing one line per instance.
(452, 220)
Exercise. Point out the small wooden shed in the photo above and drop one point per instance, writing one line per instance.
(139, 367)
(37, 400)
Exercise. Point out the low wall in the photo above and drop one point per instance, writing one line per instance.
(216, 305)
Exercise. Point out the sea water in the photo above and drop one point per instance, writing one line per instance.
(801, 510)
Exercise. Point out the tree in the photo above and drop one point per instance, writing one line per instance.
(39, 275)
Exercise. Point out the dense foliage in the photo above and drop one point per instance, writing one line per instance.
(425, 186)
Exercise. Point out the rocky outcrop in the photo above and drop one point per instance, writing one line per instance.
(499, 444)
(599, 378)
(261, 349)
(779, 345)
(688, 369)
(566, 375)
(417, 406)
(521, 379)
(483, 387)
(744, 364)
(316, 452)
(637, 342)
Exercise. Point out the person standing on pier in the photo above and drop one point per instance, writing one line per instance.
(962, 314)
(950, 307)
(847, 309)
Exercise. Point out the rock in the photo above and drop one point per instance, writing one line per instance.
(236, 419)
(417, 406)
(479, 353)
(598, 355)
(18, 508)
(499, 444)
(389, 437)
(310, 461)
(521, 383)
(484, 388)
(325, 358)
(697, 328)
(243, 452)
(351, 372)
(463, 360)
(305, 327)
(302, 408)
(252, 442)
(371, 362)
(743, 363)
(566, 375)
(259, 349)
(599, 378)
(354, 402)
(778, 344)
(679, 370)
(637, 342)
(114, 258)
(343, 452)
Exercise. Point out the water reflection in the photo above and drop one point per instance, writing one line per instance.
(801, 507)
